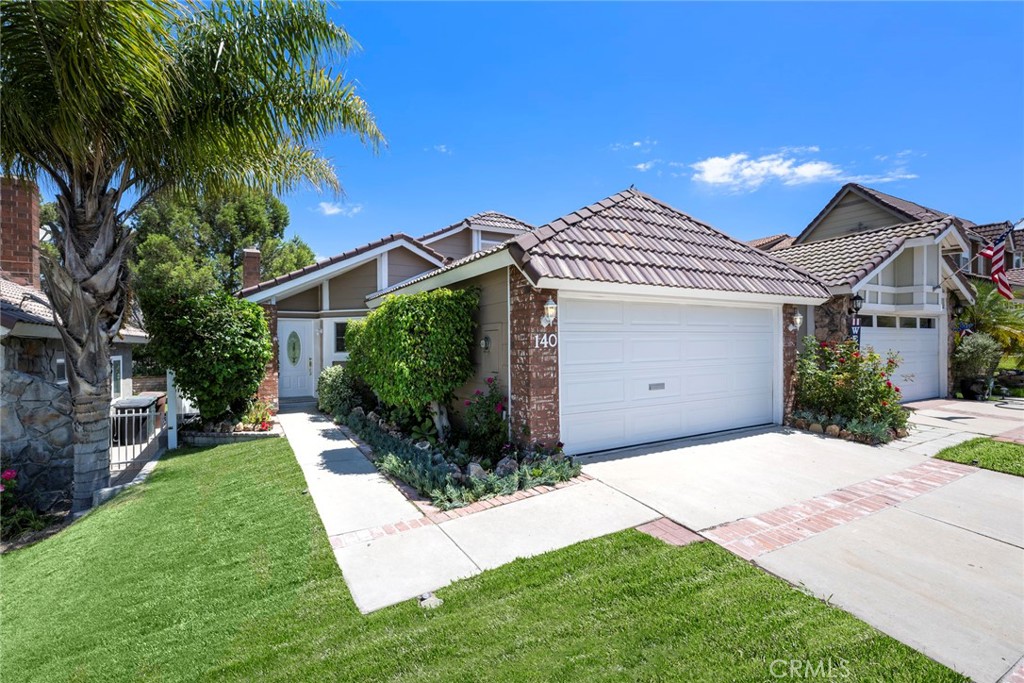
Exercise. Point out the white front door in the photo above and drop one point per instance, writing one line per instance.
(917, 342)
(295, 358)
(634, 371)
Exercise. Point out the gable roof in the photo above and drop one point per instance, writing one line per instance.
(848, 259)
(23, 304)
(1015, 276)
(990, 231)
(903, 210)
(631, 238)
(485, 219)
(772, 242)
(396, 239)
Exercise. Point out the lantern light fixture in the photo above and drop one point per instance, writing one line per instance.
(856, 303)
(798, 320)
(550, 311)
(958, 310)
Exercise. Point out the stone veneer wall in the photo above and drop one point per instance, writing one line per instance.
(789, 349)
(268, 387)
(832, 320)
(534, 371)
(951, 301)
(35, 423)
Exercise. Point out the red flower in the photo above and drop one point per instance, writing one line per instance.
(499, 408)
(885, 403)
(842, 360)
(897, 390)
(468, 402)
(888, 384)
(265, 426)
(478, 392)
(856, 354)
(7, 475)
(490, 380)
(824, 345)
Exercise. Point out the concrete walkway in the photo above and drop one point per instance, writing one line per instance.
(416, 555)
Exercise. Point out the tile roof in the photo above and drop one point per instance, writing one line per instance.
(845, 260)
(1016, 277)
(632, 238)
(319, 265)
(772, 243)
(990, 231)
(22, 304)
(485, 219)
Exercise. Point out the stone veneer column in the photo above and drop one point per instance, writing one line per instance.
(268, 387)
(789, 343)
(831, 320)
(534, 370)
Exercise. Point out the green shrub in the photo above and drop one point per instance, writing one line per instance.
(415, 350)
(839, 381)
(486, 426)
(15, 517)
(977, 356)
(339, 390)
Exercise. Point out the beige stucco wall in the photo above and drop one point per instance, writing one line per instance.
(404, 264)
(851, 214)
(348, 291)
(492, 321)
(455, 246)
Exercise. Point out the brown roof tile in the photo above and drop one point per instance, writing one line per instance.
(846, 260)
(484, 219)
(632, 238)
(780, 241)
(320, 265)
(1015, 276)
(19, 303)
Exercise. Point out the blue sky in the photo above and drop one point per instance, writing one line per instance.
(748, 116)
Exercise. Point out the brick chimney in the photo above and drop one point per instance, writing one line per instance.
(19, 230)
(250, 268)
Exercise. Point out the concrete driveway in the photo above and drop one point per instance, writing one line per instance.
(931, 553)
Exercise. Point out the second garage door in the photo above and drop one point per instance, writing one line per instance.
(917, 342)
(637, 372)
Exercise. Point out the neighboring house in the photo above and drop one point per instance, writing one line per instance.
(901, 258)
(309, 309)
(772, 243)
(980, 268)
(35, 404)
(664, 327)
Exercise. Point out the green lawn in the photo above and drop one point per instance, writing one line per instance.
(218, 568)
(989, 454)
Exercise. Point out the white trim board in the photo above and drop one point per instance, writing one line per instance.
(713, 296)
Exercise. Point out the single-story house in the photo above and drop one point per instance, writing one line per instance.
(308, 309)
(628, 322)
(902, 259)
(35, 406)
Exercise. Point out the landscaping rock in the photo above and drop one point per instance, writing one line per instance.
(506, 466)
(358, 410)
(832, 430)
(800, 424)
(817, 428)
(475, 471)
(239, 427)
(454, 472)
(372, 417)
(902, 433)
(846, 434)
(430, 601)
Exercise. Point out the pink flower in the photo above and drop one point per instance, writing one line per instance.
(7, 475)
(498, 408)
(468, 402)
(490, 380)
(897, 390)
(478, 392)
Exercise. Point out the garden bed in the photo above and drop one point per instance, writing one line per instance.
(850, 430)
(447, 477)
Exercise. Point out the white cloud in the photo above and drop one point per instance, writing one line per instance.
(647, 165)
(740, 172)
(440, 149)
(644, 145)
(335, 208)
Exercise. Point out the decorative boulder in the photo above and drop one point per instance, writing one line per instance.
(506, 466)
(817, 428)
(845, 434)
(800, 423)
(475, 471)
(832, 430)
(358, 410)
(372, 417)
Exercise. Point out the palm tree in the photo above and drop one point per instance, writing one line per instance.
(997, 317)
(115, 102)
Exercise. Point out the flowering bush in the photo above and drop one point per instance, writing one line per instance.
(486, 426)
(841, 380)
(259, 416)
(16, 519)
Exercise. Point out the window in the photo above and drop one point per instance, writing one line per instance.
(116, 368)
(927, 323)
(1018, 261)
(60, 371)
(339, 337)
(908, 323)
(867, 321)
(965, 259)
(487, 244)
(886, 320)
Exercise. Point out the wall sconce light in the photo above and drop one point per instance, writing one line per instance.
(485, 343)
(798, 320)
(958, 309)
(856, 303)
(550, 311)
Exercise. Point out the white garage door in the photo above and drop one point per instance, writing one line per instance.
(636, 372)
(917, 342)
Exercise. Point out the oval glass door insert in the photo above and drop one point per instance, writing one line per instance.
(294, 348)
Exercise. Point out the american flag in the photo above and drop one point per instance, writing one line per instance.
(997, 253)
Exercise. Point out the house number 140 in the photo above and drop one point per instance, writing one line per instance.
(544, 341)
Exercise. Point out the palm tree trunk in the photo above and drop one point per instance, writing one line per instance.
(88, 291)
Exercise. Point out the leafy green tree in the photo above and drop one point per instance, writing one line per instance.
(216, 229)
(119, 102)
(415, 350)
(998, 317)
